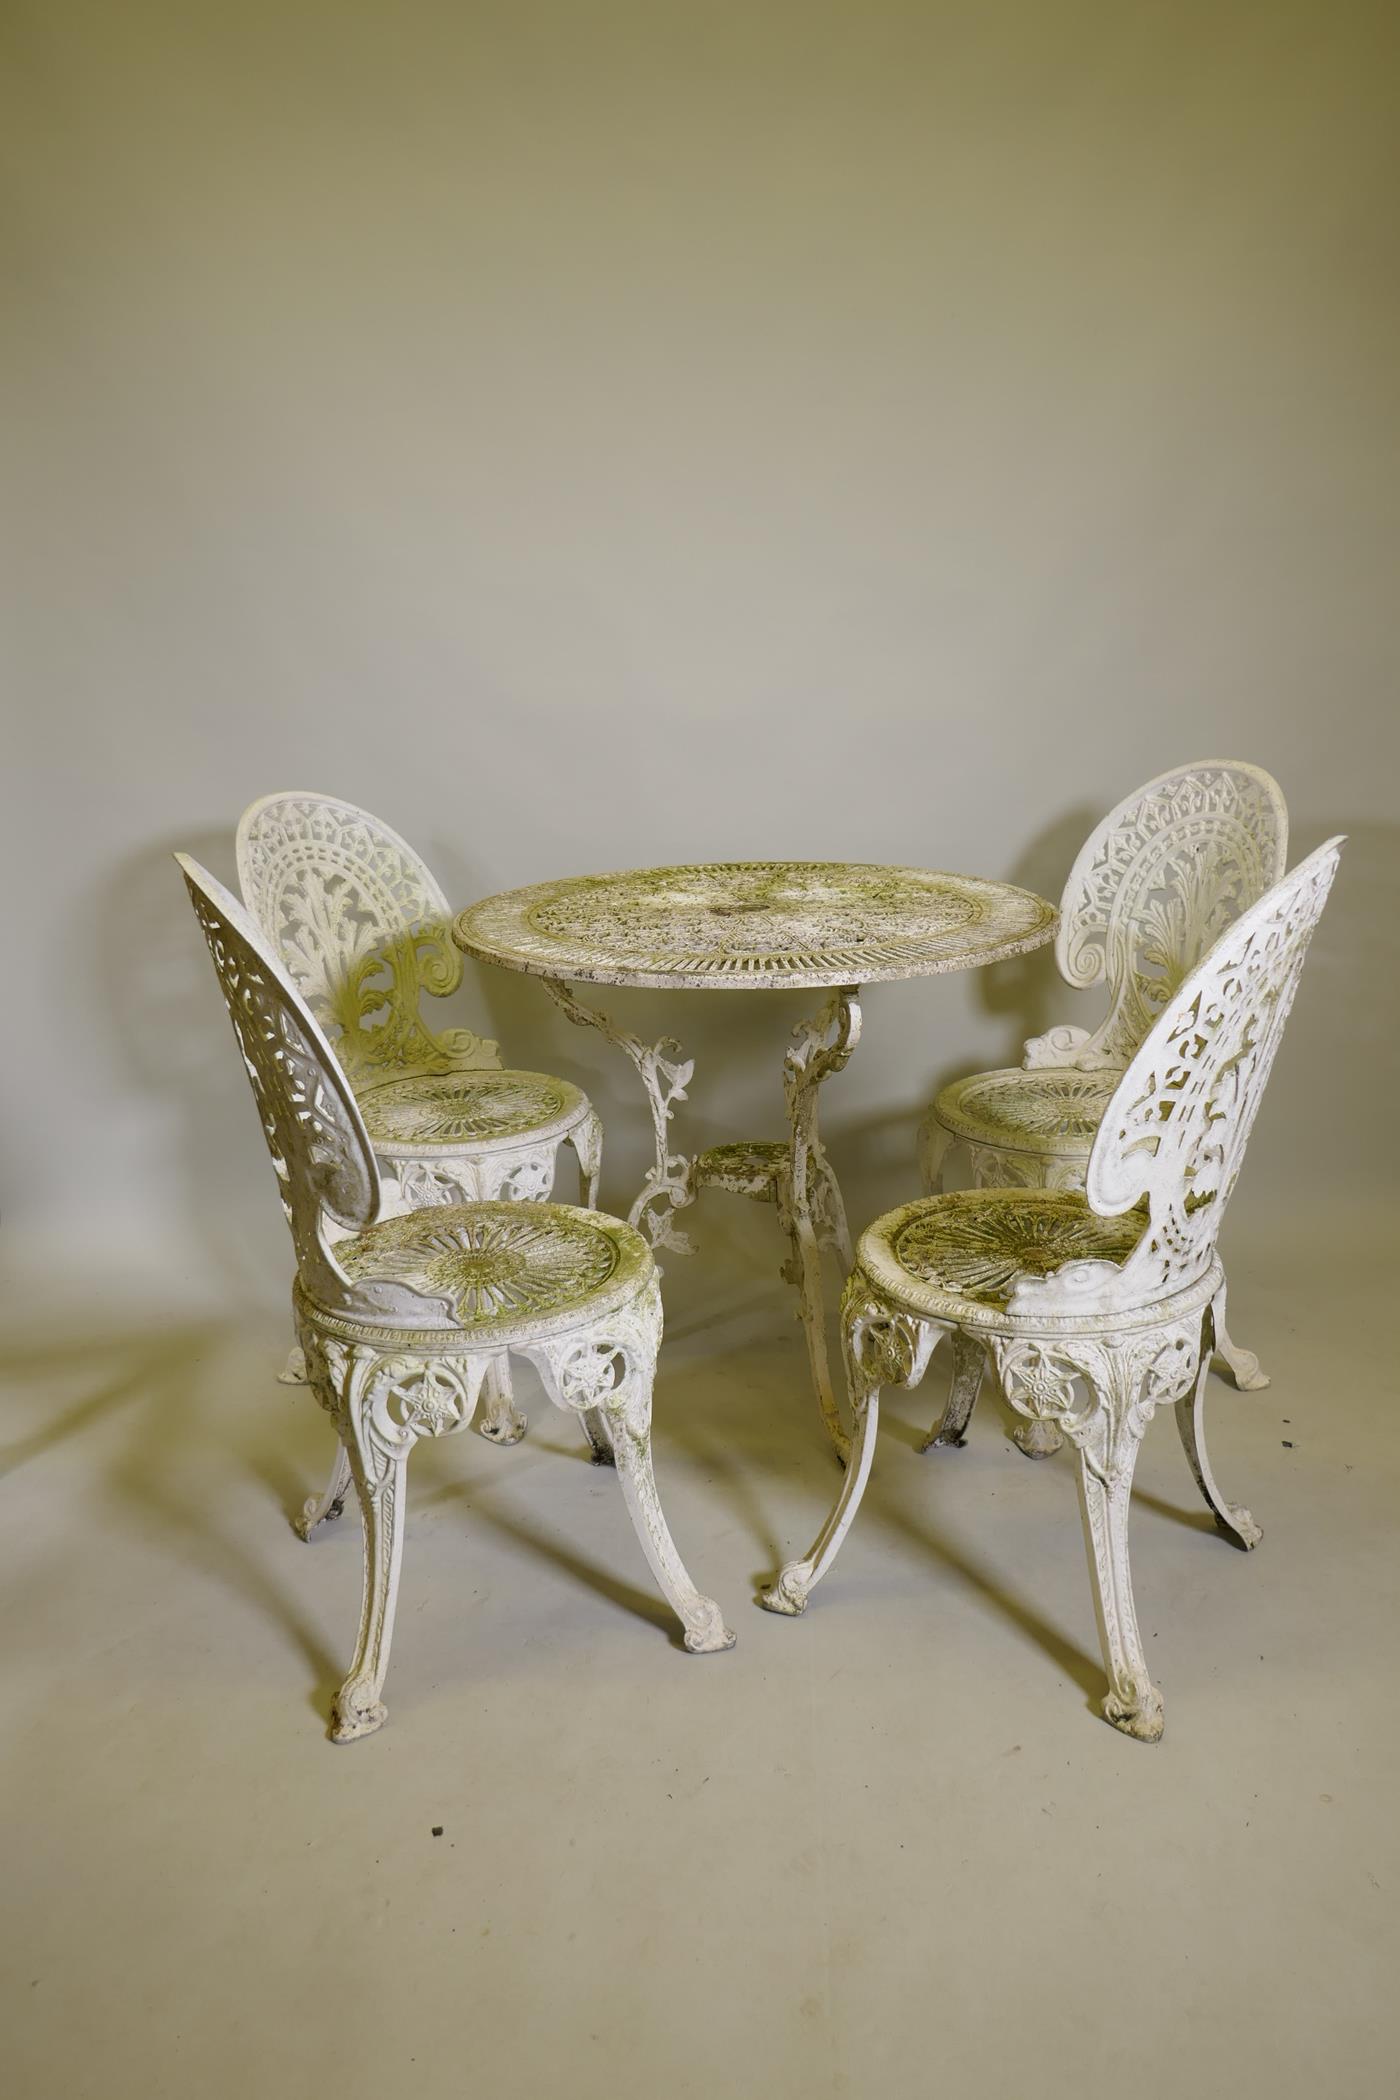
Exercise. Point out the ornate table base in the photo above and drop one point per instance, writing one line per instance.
(796, 1176)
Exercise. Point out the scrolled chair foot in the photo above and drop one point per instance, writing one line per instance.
(941, 1439)
(1037, 1439)
(330, 1503)
(498, 1418)
(788, 1595)
(314, 1513)
(1241, 1367)
(1228, 1360)
(506, 1427)
(1139, 1716)
(1239, 1528)
(356, 1712)
(705, 1630)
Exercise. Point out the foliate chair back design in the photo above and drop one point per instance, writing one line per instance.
(1152, 889)
(314, 1129)
(364, 930)
(1096, 1306)
(406, 1321)
(1175, 1131)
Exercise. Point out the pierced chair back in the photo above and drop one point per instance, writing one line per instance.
(362, 927)
(1176, 1129)
(314, 1129)
(1155, 885)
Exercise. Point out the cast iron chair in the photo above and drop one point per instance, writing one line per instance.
(1096, 1305)
(362, 928)
(402, 1318)
(1153, 886)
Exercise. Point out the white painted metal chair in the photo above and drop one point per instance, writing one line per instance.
(1095, 1306)
(364, 930)
(403, 1317)
(1153, 886)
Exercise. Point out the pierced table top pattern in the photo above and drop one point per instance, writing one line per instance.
(755, 924)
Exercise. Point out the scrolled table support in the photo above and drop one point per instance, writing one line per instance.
(810, 1205)
(667, 1187)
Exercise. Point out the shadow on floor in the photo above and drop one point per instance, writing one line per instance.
(174, 1455)
(166, 1478)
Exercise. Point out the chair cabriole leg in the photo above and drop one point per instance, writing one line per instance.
(330, 1503)
(605, 1376)
(881, 1346)
(1102, 1393)
(1233, 1521)
(1242, 1364)
(378, 1465)
(500, 1420)
(794, 1583)
(630, 1423)
(969, 1366)
(1134, 1703)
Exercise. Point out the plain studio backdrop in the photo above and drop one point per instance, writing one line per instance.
(592, 436)
(596, 436)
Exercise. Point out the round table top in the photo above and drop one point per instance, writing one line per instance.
(755, 925)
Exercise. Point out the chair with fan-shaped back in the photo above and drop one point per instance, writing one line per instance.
(1094, 1304)
(363, 930)
(1152, 888)
(405, 1316)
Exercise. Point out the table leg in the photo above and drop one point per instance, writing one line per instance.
(667, 1187)
(809, 1197)
(810, 1206)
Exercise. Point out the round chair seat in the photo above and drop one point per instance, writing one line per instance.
(500, 1273)
(428, 1112)
(1054, 1110)
(959, 1257)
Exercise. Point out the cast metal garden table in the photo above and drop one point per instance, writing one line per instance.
(749, 926)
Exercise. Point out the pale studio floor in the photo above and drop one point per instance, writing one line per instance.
(885, 1850)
